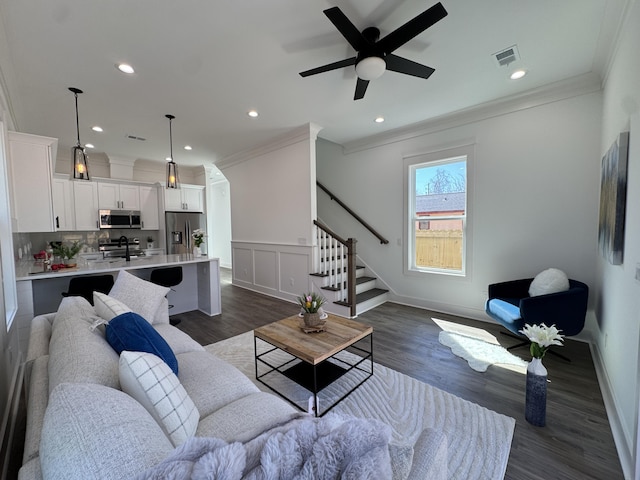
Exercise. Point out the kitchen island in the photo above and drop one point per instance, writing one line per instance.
(40, 291)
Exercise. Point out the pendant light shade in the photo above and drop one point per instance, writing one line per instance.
(172, 167)
(78, 155)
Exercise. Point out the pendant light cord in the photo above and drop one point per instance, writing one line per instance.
(77, 121)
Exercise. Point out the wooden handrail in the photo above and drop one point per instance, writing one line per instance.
(383, 240)
(329, 231)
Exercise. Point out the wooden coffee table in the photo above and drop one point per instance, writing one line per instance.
(313, 361)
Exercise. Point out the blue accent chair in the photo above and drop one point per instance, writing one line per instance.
(510, 305)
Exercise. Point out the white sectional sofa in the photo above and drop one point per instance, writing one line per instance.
(81, 424)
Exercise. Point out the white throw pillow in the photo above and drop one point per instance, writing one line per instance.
(108, 307)
(151, 382)
(548, 281)
(139, 295)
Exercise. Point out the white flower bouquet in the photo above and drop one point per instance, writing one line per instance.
(542, 337)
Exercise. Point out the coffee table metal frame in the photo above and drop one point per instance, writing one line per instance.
(314, 377)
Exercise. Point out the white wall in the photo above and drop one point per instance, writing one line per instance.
(273, 205)
(617, 292)
(219, 217)
(533, 202)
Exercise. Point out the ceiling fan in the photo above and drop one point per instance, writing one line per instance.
(374, 56)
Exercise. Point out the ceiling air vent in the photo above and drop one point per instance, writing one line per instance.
(133, 137)
(507, 56)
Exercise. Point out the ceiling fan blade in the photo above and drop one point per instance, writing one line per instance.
(408, 67)
(329, 67)
(361, 88)
(412, 28)
(346, 28)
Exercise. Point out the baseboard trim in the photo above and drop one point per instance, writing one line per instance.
(625, 454)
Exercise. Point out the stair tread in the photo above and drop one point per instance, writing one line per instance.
(364, 296)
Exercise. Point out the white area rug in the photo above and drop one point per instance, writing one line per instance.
(479, 440)
(480, 354)
(478, 347)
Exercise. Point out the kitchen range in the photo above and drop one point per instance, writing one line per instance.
(118, 247)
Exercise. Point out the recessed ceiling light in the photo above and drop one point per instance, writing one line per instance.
(168, 159)
(89, 145)
(518, 74)
(96, 128)
(125, 68)
(379, 119)
(252, 113)
(188, 147)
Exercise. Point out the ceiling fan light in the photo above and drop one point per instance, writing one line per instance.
(370, 68)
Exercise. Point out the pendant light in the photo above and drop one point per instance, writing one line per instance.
(172, 168)
(78, 156)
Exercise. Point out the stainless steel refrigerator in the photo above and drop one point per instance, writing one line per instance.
(179, 227)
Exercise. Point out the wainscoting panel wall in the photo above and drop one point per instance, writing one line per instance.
(278, 270)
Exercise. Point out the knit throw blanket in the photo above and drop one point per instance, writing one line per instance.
(331, 447)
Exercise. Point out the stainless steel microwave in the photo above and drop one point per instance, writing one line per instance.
(119, 219)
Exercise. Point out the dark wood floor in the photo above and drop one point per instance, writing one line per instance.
(576, 443)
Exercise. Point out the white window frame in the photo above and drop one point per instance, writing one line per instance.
(411, 164)
(8, 295)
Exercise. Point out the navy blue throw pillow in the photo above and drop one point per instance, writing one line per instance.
(129, 331)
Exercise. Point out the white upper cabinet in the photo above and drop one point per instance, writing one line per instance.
(116, 196)
(187, 198)
(149, 208)
(85, 196)
(31, 161)
(63, 211)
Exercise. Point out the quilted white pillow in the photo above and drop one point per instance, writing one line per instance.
(548, 281)
(140, 296)
(108, 307)
(151, 382)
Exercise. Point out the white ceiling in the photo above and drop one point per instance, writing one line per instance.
(210, 61)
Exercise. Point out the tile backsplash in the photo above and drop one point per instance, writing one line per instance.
(26, 244)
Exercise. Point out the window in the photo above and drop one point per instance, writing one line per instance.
(8, 296)
(437, 213)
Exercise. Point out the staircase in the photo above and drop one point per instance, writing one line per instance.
(350, 289)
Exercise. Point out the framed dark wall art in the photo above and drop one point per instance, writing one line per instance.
(613, 198)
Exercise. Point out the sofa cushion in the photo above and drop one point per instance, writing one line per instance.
(129, 331)
(38, 394)
(77, 307)
(141, 296)
(211, 382)
(179, 341)
(80, 354)
(152, 383)
(108, 307)
(247, 417)
(92, 431)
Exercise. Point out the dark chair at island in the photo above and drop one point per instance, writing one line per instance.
(87, 284)
(510, 304)
(167, 277)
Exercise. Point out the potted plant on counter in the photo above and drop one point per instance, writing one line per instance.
(67, 253)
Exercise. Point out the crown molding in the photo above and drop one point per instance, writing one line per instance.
(562, 90)
(306, 132)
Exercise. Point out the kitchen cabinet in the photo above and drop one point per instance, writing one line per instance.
(31, 164)
(149, 208)
(187, 198)
(63, 209)
(85, 196)
(117, 196)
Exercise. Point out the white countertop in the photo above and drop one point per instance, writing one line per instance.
(30, 270)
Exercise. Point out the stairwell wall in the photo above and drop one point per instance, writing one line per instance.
(534, 179)
(273, 205)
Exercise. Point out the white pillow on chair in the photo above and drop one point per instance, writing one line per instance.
(548, 281)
